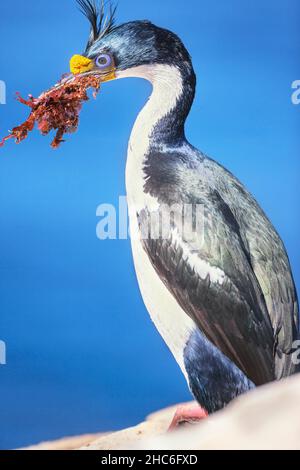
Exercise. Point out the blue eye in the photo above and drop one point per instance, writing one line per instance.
(103, 61)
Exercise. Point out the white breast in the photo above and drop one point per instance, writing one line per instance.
(171, 321)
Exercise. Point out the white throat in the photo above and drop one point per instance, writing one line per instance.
(167, 88)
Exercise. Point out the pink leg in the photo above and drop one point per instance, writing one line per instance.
(187, 414)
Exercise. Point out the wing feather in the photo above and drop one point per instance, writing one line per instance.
(250, 310)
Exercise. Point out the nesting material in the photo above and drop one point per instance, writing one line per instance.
(56, 109)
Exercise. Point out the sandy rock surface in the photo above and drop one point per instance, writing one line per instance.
(266, 418)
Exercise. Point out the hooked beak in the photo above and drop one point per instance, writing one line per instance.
(83, 65)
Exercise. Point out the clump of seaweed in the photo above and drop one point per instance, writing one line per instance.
(56, 109)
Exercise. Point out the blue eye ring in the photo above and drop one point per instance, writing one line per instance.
(103, 61)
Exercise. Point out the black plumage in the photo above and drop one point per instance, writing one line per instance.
(252, 316)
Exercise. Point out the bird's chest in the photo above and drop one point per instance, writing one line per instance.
(174, 325)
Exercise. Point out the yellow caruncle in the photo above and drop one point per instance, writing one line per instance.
(80, 64)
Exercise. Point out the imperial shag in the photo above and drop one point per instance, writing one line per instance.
(225, 303)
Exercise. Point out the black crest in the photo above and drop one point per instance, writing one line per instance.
(102, 23)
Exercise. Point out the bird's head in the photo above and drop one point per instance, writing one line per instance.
(130, 49)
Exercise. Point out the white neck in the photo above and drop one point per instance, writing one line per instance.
(172, 323)
(167, 88)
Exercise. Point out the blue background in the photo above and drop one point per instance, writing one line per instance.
(82, 354)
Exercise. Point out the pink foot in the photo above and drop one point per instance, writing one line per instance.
(187, 414)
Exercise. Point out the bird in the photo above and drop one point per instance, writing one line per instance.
(222, 296)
